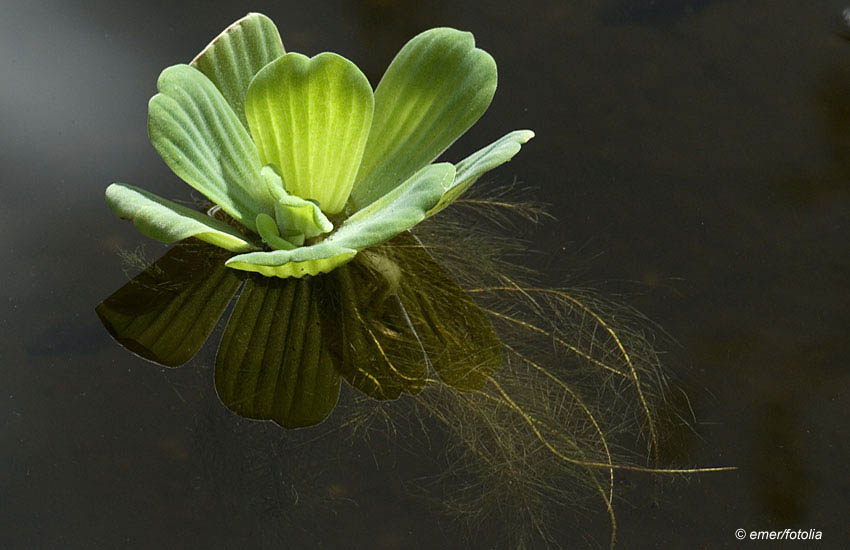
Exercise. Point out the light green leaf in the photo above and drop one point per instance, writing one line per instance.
(232, 59)
(397, 211)
(168, 221)
(305, 260)
(311, 118)
(437, 86)
(273, 363)
(267, 228)
(200, 138)
(483, 160)
(295, 215)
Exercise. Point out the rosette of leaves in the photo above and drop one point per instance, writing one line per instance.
(300, 152)
(319, 178)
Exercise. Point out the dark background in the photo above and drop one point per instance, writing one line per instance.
(696, 154)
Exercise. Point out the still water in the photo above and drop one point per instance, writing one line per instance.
(695, 154)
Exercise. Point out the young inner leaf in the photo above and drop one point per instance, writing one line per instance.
(267, 228)
(311, 118)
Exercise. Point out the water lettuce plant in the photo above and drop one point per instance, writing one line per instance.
(309, 162)
(317, 181)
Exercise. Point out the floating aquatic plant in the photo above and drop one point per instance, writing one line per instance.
(310, 163)
(317, 185)
(322, 146)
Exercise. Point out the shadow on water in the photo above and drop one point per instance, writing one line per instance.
(166, 313)
(534, 397)
(379, 322)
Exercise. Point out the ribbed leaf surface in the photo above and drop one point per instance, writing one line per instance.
(168, 221)
(232, 59)
(200, 138)
(373, 344)
(311, 118)
(301, 261)
(272, 363)
(472, 167)
(395, 212)
(167, 312)
(437, 86)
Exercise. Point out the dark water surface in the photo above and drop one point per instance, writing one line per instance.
(696, 154)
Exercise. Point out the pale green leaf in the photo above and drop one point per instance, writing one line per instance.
(232, 59)
(168, 221)
(311, 117)
(267, 228)
(437, 86)
(305, 260)
(273, 363)
(483, 160)
(200, 138)
(395, 212)
(295, 215)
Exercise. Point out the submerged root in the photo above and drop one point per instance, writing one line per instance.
(134, 261)
(576, 400)
(558, 420)
(580, 394)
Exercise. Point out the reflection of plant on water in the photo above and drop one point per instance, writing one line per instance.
(539, 388)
